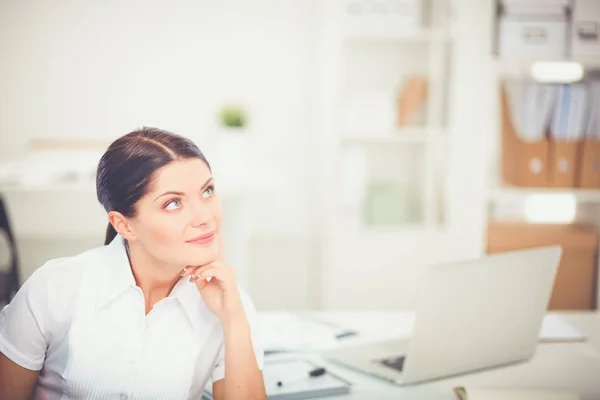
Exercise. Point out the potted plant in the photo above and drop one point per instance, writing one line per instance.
(232, 141)
(233, 116)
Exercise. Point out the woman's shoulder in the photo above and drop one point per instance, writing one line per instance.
(66, 269)
(58, 281)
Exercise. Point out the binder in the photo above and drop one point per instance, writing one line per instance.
(589, 169)
(524, 161)
(296, 384)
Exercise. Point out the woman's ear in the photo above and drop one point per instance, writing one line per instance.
(122, 225)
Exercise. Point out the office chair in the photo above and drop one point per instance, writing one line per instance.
(9, 278)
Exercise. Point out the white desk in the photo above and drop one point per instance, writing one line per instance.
(555, 365)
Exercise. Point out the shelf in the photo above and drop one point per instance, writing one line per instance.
(421, 35)
(515, 193)
(396, 137)
(587, 61)
(522, 66)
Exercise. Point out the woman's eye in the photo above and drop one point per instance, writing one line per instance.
(173, 205)
(208, 192)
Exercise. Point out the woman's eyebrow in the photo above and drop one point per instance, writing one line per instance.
(209, 180)
(175, 193)
(171, 193)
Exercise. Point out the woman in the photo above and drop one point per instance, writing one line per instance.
(156, 312)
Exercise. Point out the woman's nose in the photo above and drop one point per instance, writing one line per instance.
(201, 215)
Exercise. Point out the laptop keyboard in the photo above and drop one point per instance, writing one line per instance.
(396, 362)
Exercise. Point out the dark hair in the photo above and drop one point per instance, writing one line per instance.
(127, 168)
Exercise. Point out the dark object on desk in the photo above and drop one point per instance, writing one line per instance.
(396, 363)
(312, 374)
(320, 385)
(9, 277)
(345, 334)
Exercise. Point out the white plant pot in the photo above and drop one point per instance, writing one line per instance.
(231, 154)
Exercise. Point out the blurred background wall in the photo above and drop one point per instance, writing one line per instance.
(375, 141)
(76, 69)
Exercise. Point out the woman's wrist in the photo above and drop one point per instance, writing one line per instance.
(235, 321)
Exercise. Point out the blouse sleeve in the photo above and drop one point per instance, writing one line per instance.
(22, 338)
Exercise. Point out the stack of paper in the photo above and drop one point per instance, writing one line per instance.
(571, 112)
(569, 119)
(283, 331)
(531, 108)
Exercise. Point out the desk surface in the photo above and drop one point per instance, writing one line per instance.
(574, 366)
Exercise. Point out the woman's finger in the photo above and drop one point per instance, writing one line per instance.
(207, 275)
(191, 270)
(210, 273)
(203, 272)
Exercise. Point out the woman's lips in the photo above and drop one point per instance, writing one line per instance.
(202, 239)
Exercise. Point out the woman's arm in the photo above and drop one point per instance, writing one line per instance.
(16, 382)
(243, 377)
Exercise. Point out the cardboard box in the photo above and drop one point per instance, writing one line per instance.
(585, 29)
(589, 167)
(563, 163)
(524, 163)
(575, 284)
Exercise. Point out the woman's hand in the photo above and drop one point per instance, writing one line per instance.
(218, 287)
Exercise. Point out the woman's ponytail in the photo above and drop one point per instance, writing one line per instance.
(111, 233)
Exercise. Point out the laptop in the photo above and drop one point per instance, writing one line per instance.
(471, 315)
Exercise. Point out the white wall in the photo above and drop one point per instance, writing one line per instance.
(100, 69)
(71, 68)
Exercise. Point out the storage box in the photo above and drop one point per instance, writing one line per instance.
(563, 163)
(589, 167)
(585, 28)
(533, 30)
(575, 284)
(524, 163)
(382, 18)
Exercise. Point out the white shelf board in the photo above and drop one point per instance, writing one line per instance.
(395, 136)
(522, 66)
(517, 193)
(420, 35)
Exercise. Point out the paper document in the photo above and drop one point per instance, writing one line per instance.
(556, 329)
(285, 331)
(513, 394)
(531, 108)
(569, 119)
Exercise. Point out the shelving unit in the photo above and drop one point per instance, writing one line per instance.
(403, 183)
(394, 197)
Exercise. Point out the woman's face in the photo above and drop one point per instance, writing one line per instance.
(178, 221)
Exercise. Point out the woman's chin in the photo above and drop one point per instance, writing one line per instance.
(202, 257)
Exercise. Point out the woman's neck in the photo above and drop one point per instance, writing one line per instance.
(152, 276)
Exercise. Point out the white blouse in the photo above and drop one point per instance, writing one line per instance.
(81, 321)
